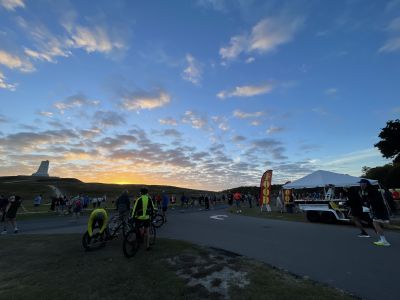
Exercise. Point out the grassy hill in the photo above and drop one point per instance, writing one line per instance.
(28, 187)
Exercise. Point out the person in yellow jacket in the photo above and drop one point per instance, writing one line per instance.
(98, 217)
(142, 211)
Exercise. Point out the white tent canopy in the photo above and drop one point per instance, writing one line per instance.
(322, 178)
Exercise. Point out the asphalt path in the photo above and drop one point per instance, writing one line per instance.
(330, 254)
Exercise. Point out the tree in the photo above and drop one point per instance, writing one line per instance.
(389, 145)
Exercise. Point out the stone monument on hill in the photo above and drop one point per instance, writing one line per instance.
(43, 170)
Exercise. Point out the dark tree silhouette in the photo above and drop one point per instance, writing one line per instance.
(389, 145)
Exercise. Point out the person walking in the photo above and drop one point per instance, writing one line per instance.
(207, 202)
(238, 198)
(378, 209)
(164, 205)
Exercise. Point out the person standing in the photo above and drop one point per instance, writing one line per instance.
(378, 209)
(238, 198)
(37, 201)
(123, 206)
(356, 210)
(164, 205)
(14, 202)
(3, 206)
(207, 202)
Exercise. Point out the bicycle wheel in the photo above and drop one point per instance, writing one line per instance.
(152, 234)
(93, 242)
(158, 220)
(130, 244)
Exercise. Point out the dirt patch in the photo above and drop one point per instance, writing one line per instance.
(211, 273)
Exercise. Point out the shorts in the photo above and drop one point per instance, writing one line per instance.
(145, 223)
(380, 216)
(356, 211)
(164, 209)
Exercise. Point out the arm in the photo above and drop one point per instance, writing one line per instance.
(134, 208)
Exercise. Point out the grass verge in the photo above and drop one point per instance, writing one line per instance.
(56, 267)
(255, 212)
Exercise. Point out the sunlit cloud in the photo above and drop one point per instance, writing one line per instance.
(12, 4)
(246, 91)
(145, 101)
(193, 71)
(12, 61)
(168, 121)
(194, 119)
(5, 85)
(265, 36)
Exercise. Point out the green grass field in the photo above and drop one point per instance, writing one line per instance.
(255, 212)
(56, 267)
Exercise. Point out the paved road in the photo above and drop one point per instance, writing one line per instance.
(327, 253)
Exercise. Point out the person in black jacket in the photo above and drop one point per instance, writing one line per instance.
(123, 205)
(378, 209)
(356, 210)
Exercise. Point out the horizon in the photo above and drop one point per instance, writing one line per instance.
(206, 94)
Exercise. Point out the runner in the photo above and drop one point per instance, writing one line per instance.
(356, 210)
(238, 198)
(11, 213)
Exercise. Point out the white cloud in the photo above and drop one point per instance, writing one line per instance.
(194, 119)
(274, 129)
(46, 114)
(255, 123)
(394, 25)
(250, 60)
(146, 101)
(246, 91)
(331, 91)
(93, 39)
(265, 36)
(221, 122)
(14, 62)
(243, 115)
(12, 4)
(168, 121)
(5, 85)
(320, 110)
(193, 71)
(391, 45)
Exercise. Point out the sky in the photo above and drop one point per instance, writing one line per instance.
(201, 94)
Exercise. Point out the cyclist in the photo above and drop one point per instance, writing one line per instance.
(142, 210)
(98, 217)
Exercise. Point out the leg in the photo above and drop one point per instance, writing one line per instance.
(357, 222)
(147, 237)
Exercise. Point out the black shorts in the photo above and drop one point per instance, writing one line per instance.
(145, 223)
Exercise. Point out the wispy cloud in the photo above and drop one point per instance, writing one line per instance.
(12, 61)
(274, 129)
(221, 122)
(168, 121)
(246, 91)
(12, 4)
(74, 101)
(331, 91)
(245, 115)
(6, 85)
(47, 114)
(108, 118)
(193, 71)
(250, 60)
(320, 110)
(149, 101)
(392, 44)
(265, 36)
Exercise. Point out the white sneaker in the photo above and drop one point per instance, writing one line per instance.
(382, 243)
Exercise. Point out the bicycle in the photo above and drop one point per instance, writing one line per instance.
(98, 240)
(157, 220)
(135, 237)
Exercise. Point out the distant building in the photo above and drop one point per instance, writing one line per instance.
(43, 170)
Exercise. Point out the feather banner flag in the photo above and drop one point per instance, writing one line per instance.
(265, 190)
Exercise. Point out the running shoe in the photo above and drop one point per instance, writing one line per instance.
(381, 243)
(365, 235)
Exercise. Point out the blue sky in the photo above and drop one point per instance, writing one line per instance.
(202, 94)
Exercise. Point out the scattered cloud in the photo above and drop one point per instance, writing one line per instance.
(74, 101)
(138, 101)
(245, 115)
(12, 4)
(238, 138)
(3, 119)
(269, 146)
(255, 123)
(46, 114)
(108, 118)
(265, 36)
(5, 85)
(246, 91)
(168, 121)
(221, 122)
(193, 71)
(12, 61)
(172, 133)
(194, 119)
(274, 129)
(331, 91)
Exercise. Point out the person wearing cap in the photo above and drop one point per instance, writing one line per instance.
(378, 209)
(142, 210)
